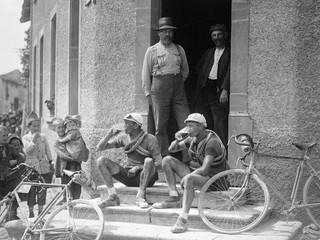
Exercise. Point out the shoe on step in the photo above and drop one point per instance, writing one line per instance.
(171, 202)
(180, 226)
(112, 200)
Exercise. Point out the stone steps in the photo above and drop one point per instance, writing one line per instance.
(129, 212)
(157, 193)
(270, 229)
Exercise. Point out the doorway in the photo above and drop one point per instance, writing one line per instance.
(193, 19)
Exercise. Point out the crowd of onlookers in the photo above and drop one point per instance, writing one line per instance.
(12, 121)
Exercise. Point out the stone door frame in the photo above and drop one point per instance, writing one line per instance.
(147, 14)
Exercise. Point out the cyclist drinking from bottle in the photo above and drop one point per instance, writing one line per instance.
(208, 157)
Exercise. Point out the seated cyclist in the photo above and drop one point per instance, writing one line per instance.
(208, 157)
(140, 168)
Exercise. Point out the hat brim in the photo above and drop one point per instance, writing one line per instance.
(132, 120)
(166, 27)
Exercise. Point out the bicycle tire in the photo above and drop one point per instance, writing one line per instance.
(224, 211)
(84, 220)
(311, 194)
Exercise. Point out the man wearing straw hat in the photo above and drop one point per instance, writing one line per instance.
(165, 68)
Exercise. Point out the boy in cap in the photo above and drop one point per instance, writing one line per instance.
(140, 167)
(208, 157)
(38, 155)
(164, 71)
(9, 158)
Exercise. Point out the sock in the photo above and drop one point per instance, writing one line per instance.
(112, 191)
(184, 215)
(141, 193)
(173, 193)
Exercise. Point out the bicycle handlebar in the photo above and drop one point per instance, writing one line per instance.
(27, 166)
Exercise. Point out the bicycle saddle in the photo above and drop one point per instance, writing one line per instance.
(304, 146)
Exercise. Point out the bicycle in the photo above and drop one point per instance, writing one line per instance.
(237, 192)
(79, 218)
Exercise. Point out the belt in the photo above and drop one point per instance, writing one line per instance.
(167, 75)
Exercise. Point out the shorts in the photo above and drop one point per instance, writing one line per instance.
(122, 176)
(215, 170)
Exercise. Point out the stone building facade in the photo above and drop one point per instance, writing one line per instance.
(12, 92)
(87, 56)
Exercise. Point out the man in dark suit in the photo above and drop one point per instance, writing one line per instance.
(211, 95)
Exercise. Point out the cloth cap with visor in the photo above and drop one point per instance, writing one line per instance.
(134, 117)
(197, 117)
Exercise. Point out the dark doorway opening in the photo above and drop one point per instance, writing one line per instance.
(193, 19)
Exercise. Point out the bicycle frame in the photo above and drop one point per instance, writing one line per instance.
(304, 164)
(72, 219)
(65, 190)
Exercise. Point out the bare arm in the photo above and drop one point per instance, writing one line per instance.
(204, 169)
(177, 146)
(70, 135)
(146, 72)
(106, 142)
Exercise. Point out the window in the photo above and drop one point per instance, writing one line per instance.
(34, 82)
(74, 56)
(53, 57)
(41, 78)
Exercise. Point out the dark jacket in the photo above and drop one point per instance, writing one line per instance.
(8, 153)
(204, 66)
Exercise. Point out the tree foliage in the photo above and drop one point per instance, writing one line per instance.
(25, 58)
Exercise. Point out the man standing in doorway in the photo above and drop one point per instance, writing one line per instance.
(211, 95)
(165, 68)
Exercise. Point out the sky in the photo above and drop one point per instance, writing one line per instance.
(12, 34)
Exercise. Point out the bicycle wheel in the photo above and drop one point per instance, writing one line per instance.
(311, 195)
(226, 207)
(83, 220)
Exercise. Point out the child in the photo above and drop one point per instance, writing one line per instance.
(9, 158)
(17, 144)
(38, 154)
(73, 138)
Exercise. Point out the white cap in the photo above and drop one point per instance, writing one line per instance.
(196, 117)
(134, 117)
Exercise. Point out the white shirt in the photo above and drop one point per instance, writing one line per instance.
(213, 75)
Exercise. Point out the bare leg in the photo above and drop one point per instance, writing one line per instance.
(107, 168)
(191, 182)
(170, 166)
(148, 171)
